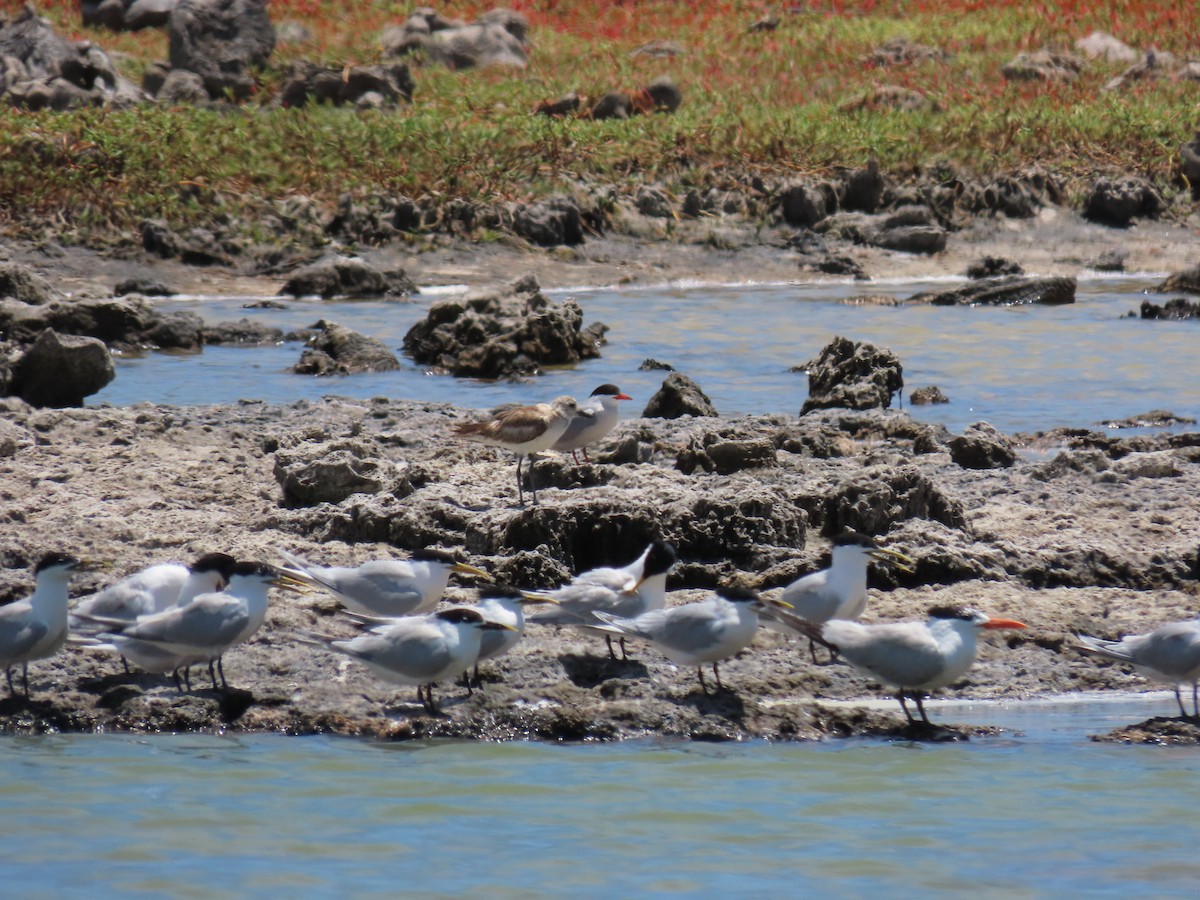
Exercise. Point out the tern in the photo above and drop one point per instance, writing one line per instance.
(626, 592)
(386, 587)
(525, 430)
(914, 657)
(839, 592)
(417, 650)
(204, 628)
(157, 588)
(36, 627)
(582, 430)
(1170, 654)
(698, 633)
(506, 606)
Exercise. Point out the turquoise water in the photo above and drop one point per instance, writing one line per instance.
(1020, 368)
(1029, 814)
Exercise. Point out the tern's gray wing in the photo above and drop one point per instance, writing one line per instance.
(687, 629)
(142, 594)
(211, 620)
(901, 653)
(1173, 650)
(376, 589)
(812, 597)
(19, 631)
(416, 652)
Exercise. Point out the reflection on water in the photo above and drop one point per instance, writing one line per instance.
(1020, 368)
(1027, 814)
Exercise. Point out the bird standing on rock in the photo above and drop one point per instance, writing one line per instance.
(156, 588)
(1170, 654)
(386, 587)
(417, 650)
(582, 430)
(626, 592)
(525, 430)
(839, 592)
(915, 657)
(205, 627)
(36, 627)
(699, 633)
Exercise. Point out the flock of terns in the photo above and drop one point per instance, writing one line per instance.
(172, 617)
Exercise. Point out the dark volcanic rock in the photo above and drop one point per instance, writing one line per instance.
(876, 499)
(1118, 201)
(1043, 65)
(336, 350)
(147, 287)
(926, 239)
(498, 334)
(550, 223)
(1187, 281)
(1009, 291)
(735, 523)
(1155, 418)
(312, 472)
(243, 332)
(497, 38)
(678, 396)
(927, 395)
(852, 375)
(125, 323)
(337, 86)
(345, 277)
(61, 370)
(42, 69)
(222, 41)
(22, 283)
(1176, 308)
(992, 267)
(982, 447)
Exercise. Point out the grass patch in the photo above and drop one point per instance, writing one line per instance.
(772, 103)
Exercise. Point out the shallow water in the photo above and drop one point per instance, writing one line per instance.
(1027, 814)
(1019, 368)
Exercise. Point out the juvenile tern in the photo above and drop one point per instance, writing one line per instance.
(914, 657)
(203, 629)
(1169, 654)
(417, 650)
(626, 592)
(524, 430)
(839, 592)
(582, 430)
(36, 627)
(698, 633)
(386, 587)
(156, 588)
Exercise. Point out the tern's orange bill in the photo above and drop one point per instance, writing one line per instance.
(1004, 623)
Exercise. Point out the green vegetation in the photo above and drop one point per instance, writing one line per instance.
(772, 103)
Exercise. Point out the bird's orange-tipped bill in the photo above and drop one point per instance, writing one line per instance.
(896, 558)
(1004, 623)
(776, 602)
(464, 569)
(623, 397)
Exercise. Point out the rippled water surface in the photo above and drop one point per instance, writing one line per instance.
(1038, 813)
(1020, 368)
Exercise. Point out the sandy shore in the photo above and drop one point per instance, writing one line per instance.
(1098, 539)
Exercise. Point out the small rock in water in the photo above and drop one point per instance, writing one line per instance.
(926, 395)
(1155, 418)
